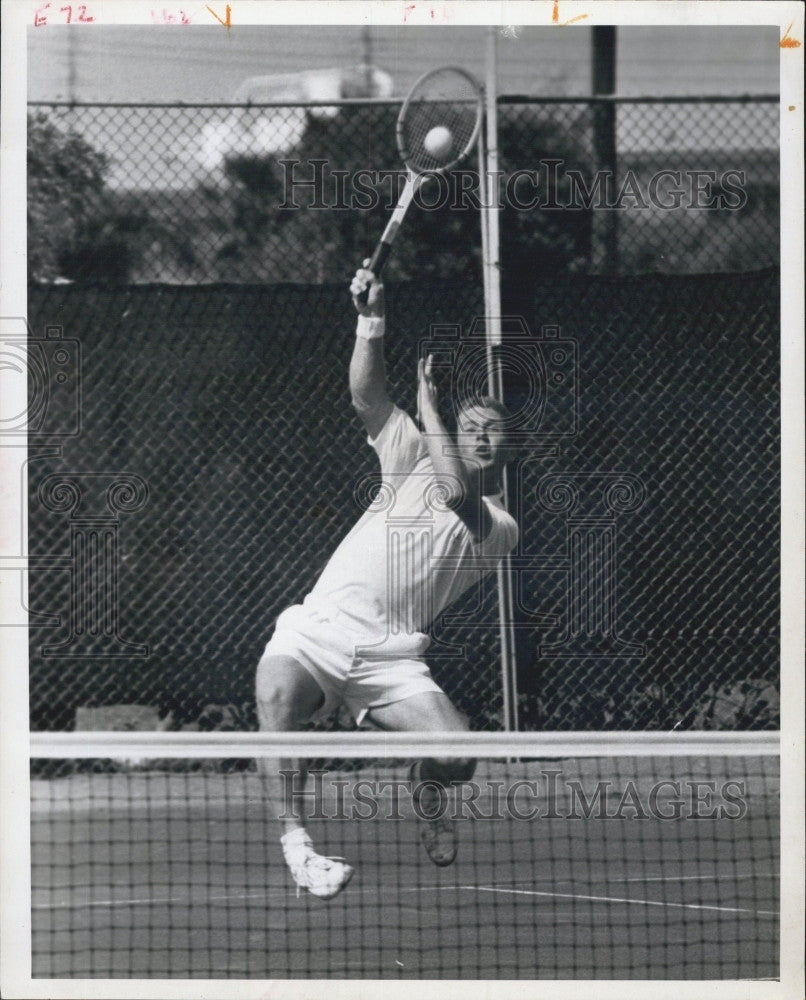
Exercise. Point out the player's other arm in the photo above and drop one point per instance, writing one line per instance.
(461, 489)
(367, 365)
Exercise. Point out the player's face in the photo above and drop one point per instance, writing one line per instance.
(480, 437)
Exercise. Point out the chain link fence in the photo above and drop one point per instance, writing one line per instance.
(652, 537)
(193, 460)
(130, 194)
(200, 479)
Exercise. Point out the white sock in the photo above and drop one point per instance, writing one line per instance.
(297, 837)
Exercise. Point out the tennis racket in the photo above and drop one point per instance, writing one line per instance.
(436, 129)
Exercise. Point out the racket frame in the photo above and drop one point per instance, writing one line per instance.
(415, 178)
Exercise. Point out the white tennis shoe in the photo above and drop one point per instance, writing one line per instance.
(322, 877)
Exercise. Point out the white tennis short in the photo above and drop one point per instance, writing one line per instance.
(343, 666)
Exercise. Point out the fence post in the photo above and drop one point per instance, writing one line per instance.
(605, 224)
(492, 309)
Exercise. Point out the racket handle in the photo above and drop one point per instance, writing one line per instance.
(380, 257)
(376, 264)
(384, 247)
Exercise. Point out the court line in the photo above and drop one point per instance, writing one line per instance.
(245, 895)
(701, 878)
(609, 879)
(156, 900)
(615, 899)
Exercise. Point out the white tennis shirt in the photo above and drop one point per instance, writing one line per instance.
(409, 556)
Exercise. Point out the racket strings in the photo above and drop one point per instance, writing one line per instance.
(445, 99)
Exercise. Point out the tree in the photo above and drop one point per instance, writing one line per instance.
(330, 226)
(76, 228)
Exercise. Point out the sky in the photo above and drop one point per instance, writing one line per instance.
(208, 64)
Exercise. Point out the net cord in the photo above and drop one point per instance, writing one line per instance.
(145, 745)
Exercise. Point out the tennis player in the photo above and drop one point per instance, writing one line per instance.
(360, 636)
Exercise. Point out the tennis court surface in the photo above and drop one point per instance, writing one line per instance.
(630, 864)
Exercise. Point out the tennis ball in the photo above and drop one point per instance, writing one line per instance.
(438, 141)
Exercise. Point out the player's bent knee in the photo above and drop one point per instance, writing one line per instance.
(275, 708)
(286, 694)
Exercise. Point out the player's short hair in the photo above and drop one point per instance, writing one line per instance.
(484, 402)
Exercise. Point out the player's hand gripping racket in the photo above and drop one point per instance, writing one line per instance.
(436, 129)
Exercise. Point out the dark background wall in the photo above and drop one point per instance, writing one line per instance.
(231, 404)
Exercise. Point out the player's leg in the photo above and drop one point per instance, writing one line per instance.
(287, 696)
(431, 778)
(428, 711)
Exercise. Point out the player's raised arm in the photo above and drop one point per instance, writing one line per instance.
(461, 484)
(367, 365)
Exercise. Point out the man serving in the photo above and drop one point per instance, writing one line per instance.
(359, 637)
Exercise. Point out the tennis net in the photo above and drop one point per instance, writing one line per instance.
(581, 856)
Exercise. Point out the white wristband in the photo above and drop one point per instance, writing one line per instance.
(370, 327)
